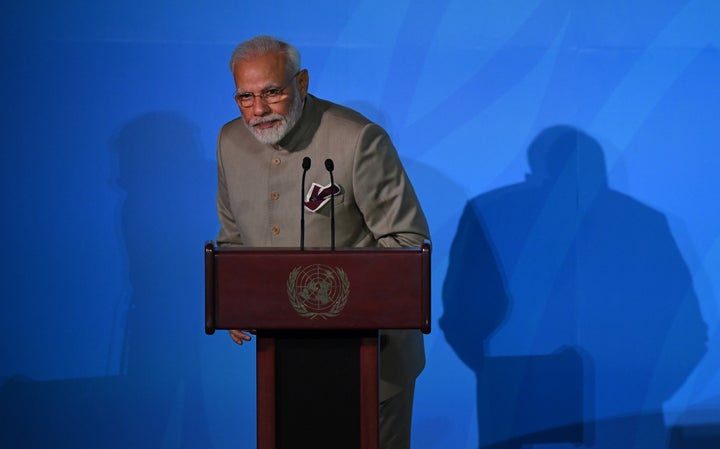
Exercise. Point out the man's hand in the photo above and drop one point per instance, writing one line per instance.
(239, 336)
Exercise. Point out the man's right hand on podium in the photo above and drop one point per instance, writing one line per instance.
(239, 336)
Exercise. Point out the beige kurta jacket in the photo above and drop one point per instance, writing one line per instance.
(259, 193)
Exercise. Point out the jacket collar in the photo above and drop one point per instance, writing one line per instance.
(304, 130)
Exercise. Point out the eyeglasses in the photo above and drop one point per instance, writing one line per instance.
(269, 96)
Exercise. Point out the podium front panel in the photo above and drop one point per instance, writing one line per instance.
(359, 288)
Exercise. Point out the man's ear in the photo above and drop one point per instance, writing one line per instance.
(303, 80)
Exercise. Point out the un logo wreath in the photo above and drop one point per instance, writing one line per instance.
(318, 290)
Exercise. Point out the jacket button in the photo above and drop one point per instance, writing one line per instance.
(275, 230)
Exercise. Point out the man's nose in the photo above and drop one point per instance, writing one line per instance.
(260, 106)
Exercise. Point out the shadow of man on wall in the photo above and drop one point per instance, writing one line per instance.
(156, 399)
(572, 304)
(168, 209)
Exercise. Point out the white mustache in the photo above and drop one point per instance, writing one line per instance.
(270, 118)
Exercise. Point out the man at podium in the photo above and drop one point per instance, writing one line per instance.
(285, 134)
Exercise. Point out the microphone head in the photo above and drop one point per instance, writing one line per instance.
(306, 163)
(329, 165)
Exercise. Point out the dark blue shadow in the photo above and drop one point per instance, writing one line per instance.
(157, 400)
(572, 304)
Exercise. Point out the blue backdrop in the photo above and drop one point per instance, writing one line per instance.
(565, 154)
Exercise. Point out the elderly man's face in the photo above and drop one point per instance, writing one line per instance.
(269, 122)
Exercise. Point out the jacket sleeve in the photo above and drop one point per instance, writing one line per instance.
(383, 192)
(229, 234)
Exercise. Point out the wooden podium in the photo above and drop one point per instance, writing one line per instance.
(317, 315)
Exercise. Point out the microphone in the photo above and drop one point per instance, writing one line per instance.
(330, 166)
(306, 166)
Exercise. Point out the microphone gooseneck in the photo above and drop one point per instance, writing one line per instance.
(306, 166)
(330, 166)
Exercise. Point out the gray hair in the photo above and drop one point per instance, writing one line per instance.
(262, 45)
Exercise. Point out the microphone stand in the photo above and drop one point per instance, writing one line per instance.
(306, 166)
(330, 166)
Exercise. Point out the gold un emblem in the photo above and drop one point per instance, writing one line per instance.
(318, 290)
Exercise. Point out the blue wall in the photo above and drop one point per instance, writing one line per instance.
(565, 153)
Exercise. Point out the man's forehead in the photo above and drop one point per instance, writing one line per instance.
(260, 71)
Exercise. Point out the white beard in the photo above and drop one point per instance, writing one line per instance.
(272, 136)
